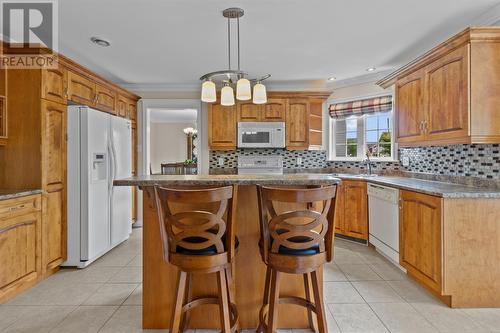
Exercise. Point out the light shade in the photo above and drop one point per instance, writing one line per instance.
(243, 90)
(208, 94)
(259, 94)
(227, 96)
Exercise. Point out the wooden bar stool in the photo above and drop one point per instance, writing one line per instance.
(295, 242)
(197, 239)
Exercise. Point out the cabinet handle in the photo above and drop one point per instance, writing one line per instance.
(96, 99)
(421, 126)
(426, 127)
(12, 209)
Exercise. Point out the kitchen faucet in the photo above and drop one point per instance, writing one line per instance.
(368, 162)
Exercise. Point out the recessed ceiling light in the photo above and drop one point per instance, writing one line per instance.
(371, 69)
(332, 78)
(99, 41)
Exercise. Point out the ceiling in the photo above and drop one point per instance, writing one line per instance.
(170, 44)
(173, 116)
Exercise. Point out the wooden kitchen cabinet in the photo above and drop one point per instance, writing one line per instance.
(273, 110)
(450, 94)
(410, 113)
(302, 113)
(297, 124)
(105, 98)
(446, 93)
(54, 82)
(351, 209)
(122, 106)
(81, 90)
(20, 244)
(54, 183)
(222, 127)
(3, 106)
(420, 222)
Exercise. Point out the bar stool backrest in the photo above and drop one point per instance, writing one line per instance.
(299, 229)
(205, 219)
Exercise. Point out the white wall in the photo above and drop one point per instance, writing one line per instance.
(168, 143)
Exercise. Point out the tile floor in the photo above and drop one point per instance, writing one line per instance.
(363, 291)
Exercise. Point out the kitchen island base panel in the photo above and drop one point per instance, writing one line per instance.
(159, 278)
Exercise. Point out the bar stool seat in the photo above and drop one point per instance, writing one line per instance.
(199, 238)
(295, 242)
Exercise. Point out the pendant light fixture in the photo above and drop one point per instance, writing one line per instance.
(227, 78)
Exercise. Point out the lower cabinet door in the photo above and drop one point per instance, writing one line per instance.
(19, 249)
(53, 231)
(339, 210)
(420, 237)
(355, 209)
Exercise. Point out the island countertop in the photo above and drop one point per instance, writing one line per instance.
(221, 180)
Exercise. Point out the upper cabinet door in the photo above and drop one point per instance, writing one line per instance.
(247, 111)
(447, 98)
(297, 124)
(410, 112)
(80, 89)
(54, 83)
(274, 109)
(221, 126)
(105, 98)
(132, 110)
(121, 106)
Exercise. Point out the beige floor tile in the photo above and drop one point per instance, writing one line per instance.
(411, 292)
(9, 314)
(402, 318)
(128, 275)
(331, 272)
(85, 319)
(359, 272)
(126, 319)
(446, 319)
(388, 271)
(49, 293)
(39, 319)
(90, 274)
(330, 321)
(136, 262)
(135, 298)
(488, 318)
(371, 256)
(115, 259)
(347, 257)
(111, 294)
(341, 292)
(376, 291)
(356, 318)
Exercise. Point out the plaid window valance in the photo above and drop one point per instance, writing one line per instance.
(364, 106)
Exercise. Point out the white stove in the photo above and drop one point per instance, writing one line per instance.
(272, 165)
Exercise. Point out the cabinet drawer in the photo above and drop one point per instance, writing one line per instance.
(19, 206)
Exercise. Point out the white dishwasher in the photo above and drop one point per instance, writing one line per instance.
(383, 219)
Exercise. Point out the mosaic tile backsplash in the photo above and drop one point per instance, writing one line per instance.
(454, 160)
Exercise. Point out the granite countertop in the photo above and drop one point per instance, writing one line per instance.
(220, 180)
(440, 189)
(11, 194)
(432, 187)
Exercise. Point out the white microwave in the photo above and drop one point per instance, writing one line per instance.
(261, 135)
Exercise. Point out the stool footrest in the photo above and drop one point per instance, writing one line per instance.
(294, 300)
(204, 300)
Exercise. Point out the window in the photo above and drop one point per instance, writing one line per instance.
(354, 136)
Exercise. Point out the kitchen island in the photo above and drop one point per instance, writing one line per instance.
(159, 278)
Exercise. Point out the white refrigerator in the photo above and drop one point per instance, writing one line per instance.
(99, 214)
